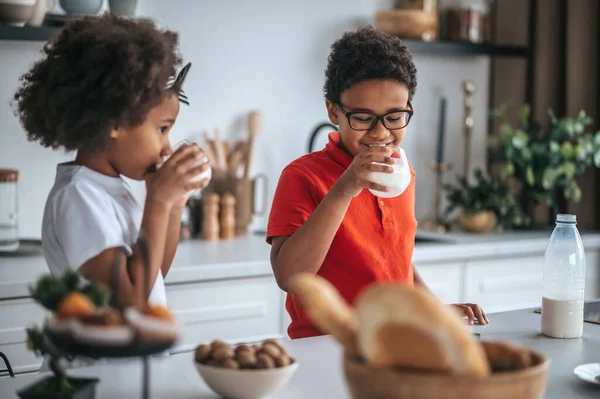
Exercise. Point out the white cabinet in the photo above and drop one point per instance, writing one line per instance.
(15, 316)
(504, 284)
(445, 280)
(232, 310)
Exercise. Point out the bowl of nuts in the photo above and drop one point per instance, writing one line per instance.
(244, 371)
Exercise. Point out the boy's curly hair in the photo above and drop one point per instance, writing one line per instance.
(97, 73)
(366, 54)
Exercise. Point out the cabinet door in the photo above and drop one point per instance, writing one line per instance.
(15, 316)
(504, 284)
(234, 310)
(444, 279)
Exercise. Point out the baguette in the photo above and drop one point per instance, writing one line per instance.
(326, 308)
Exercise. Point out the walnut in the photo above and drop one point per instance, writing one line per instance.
(203, 353)
(264, 361)
(222, 353)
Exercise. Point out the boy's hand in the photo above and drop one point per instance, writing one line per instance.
(356, 177)
(175, 177)
(472, 311)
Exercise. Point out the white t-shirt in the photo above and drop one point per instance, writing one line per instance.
(86, 213)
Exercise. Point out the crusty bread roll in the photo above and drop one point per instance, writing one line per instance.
(405, 326)
(503, 356)
(326, 308)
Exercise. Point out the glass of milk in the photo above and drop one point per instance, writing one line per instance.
(207, 174)
(564, 281)
(397, 181)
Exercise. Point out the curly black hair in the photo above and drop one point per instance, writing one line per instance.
(365, 54)
(96, 74)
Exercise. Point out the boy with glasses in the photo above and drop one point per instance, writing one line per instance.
(322, 220)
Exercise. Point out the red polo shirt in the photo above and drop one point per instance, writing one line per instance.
(375, 241)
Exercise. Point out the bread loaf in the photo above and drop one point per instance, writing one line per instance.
(405, 326)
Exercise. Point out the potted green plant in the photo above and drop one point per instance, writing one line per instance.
(49, 291)
(545, 161)
(486, 203)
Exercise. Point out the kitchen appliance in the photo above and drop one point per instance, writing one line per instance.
(9, 223)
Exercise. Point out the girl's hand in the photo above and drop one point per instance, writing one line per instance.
(177, 176)
(472, 311)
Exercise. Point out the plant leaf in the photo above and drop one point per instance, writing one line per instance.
(506, 131)
(524, 113)
(529, 175)
(552, 116)
(566, 150)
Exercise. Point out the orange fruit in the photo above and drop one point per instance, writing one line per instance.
(75, 304)
(160, 312)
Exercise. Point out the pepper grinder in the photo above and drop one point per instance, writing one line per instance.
(468, 90)
(227, 216)
(210, 219)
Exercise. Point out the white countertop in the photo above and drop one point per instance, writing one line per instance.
(320, 374)
(248, 256)
(195, 260)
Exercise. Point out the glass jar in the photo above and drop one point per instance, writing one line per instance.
(9, 223)
(466, 21)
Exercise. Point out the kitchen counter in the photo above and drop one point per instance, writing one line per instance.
(320, 374)
(195, 260)
(245, 257)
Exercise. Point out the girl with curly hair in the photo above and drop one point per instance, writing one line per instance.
(106, 88)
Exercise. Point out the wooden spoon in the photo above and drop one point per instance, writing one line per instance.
(209, 149)
(255, 124)
(219, 150)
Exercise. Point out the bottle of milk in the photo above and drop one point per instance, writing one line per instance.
(397, 181)
(564, 281)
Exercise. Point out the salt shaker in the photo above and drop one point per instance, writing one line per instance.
(210, 217)
(227, 216)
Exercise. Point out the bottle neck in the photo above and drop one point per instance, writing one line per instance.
(566, 224)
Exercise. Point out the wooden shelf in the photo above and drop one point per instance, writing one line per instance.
(30, 33)
(466, 49)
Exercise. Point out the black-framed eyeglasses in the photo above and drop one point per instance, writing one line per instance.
(362, 120)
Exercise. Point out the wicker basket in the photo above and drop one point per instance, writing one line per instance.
(371, 383)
